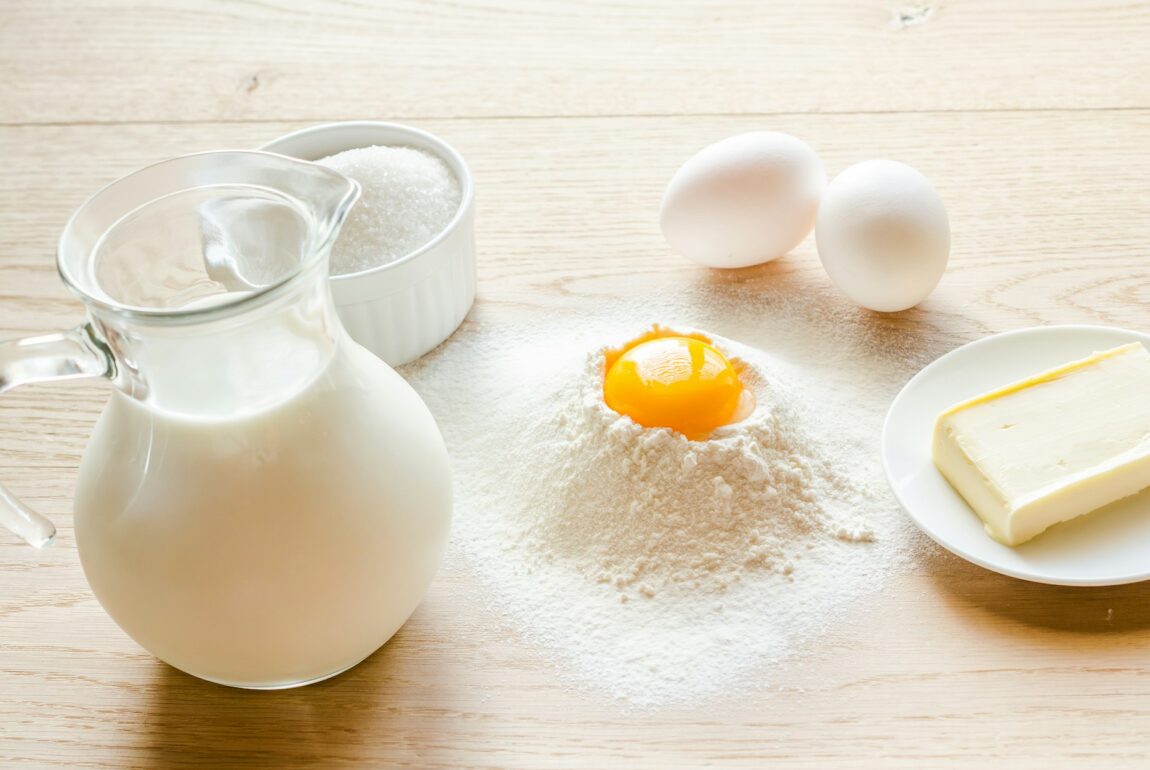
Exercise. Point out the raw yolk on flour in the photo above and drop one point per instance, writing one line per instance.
(663, 380)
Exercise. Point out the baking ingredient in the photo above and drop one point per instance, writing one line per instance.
(1052, 447)
(883, 235)
(665, 380)
(409, 197)
(647, 510)
(646, 567)
(272, 546)
(742, 201)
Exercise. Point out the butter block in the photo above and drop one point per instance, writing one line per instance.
(1051, 447)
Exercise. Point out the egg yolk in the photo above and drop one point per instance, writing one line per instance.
(680, 383)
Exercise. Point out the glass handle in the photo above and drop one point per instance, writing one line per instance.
(67, 356)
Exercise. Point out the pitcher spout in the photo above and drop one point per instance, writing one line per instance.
(329, 195)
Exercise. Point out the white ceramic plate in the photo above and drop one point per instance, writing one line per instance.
(1108, 547)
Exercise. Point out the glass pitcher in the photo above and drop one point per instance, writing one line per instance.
(262, 503)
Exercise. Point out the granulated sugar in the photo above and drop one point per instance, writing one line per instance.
(409, 196)
(644, 566)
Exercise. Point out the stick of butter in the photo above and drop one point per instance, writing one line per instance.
(1052, 447)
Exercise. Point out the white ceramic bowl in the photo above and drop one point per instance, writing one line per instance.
(402, 309)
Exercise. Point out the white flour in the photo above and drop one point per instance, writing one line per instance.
(649, 512)
(648, 567)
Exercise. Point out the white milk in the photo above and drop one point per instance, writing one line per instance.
(269, 548)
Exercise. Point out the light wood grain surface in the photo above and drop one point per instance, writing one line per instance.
(1033, 120)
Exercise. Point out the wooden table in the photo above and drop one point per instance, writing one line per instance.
(1033, 120)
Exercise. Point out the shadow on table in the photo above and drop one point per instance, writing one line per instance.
(788, 295)
(1026, 605)
(339, 722)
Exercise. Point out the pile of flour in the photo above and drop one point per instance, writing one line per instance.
(643, 566)
(648, 511)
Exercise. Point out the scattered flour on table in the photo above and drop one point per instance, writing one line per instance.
(407, 198)
(648, 567)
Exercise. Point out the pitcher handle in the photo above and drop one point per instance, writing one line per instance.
(68, 356)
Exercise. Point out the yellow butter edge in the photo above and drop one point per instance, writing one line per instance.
(1038, 379)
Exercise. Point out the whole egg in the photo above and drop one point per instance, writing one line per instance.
(743, 201)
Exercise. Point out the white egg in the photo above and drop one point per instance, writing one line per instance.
(883, 235)
(745, 200)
